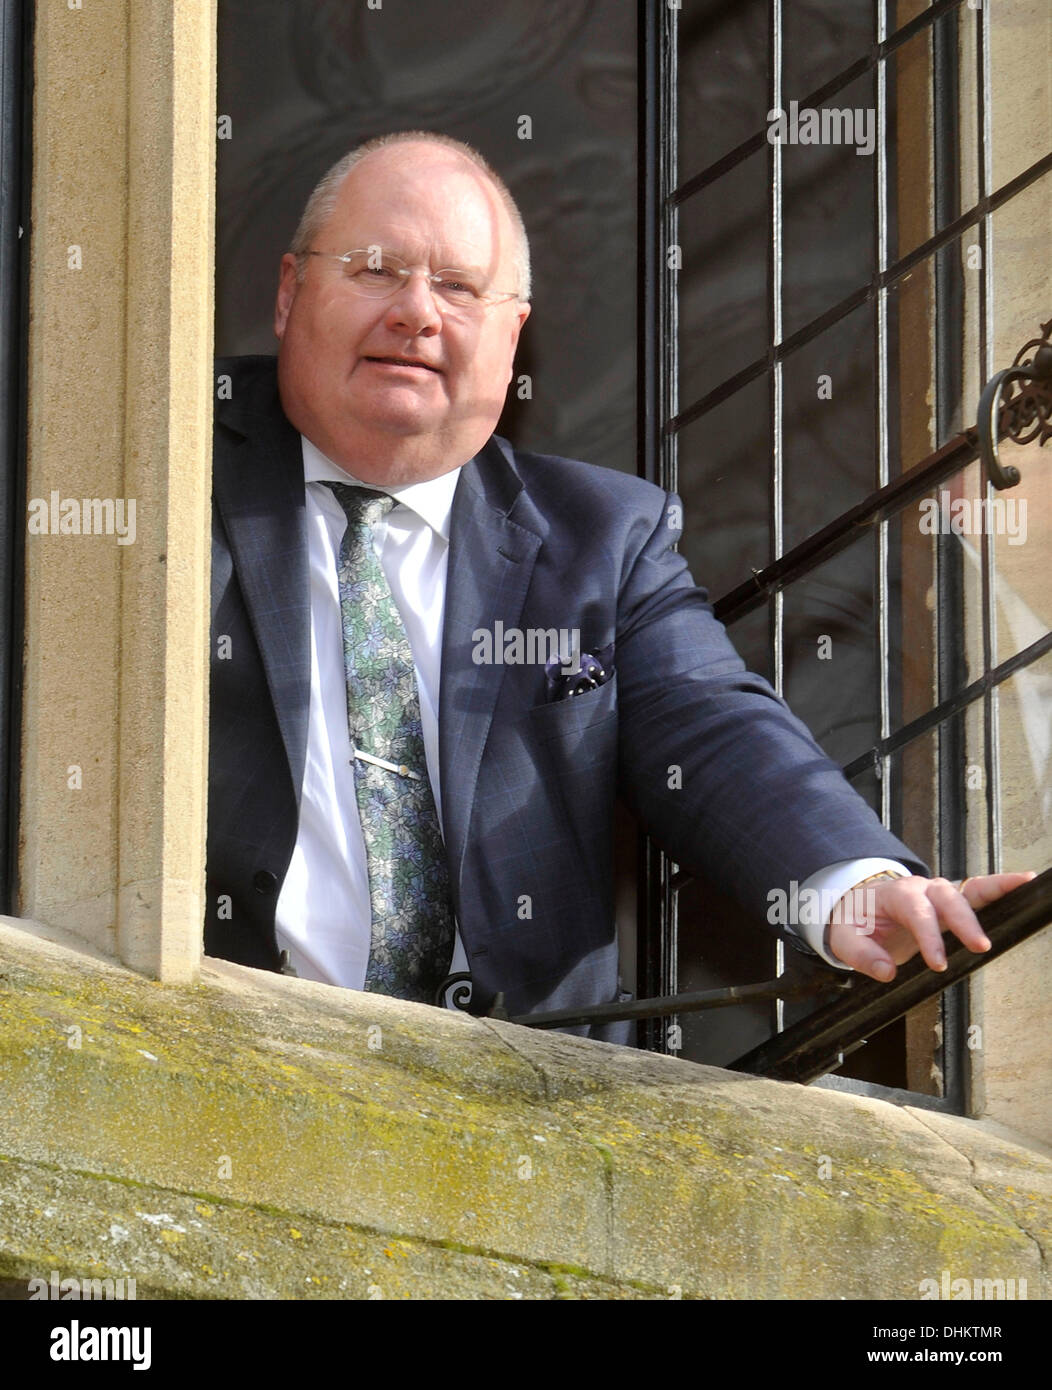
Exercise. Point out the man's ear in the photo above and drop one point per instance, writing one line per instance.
(522, 313)
(287, 287)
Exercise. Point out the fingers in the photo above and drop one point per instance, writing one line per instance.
(918, 907)
(987, 889)
(910, 914)
(955, 915)
(907, 915)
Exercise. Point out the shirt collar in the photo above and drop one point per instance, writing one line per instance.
(431, 500)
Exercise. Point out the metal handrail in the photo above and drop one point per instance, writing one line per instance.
(818, 1043)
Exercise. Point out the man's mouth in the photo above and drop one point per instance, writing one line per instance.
(404, 362)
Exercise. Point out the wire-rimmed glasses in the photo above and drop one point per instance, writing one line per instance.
(378, 274)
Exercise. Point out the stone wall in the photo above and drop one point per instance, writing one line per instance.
(255, 1136)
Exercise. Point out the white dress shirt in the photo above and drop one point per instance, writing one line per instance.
(323, 914)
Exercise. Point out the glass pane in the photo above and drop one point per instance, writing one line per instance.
(910, 169)
(1024, 721)
(938, 790)
(915, 797)
(911, 368)
(1020, 85)
(934, 359)
(724, 468)
(720, 946)
(723, 79)
(823, 37)
(900, 12)
(973, 841)
(832, 671)
(751, 636)
(723, 283)
(303, 82)
(1020, 519)
(829, 205)
(935, 632)
(932, 125)
(829, 441)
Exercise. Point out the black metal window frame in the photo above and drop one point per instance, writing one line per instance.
(15, 161)
(661, 419)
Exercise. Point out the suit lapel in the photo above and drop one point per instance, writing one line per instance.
(491, 559)
(259, 491)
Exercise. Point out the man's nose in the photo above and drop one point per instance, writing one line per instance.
(414, 307)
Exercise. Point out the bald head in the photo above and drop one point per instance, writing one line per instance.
(322, 200)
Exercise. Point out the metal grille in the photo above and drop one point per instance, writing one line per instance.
(668, 194)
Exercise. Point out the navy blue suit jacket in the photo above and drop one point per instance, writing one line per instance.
(528, 785)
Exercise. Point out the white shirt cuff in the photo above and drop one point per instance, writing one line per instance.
(811, 903)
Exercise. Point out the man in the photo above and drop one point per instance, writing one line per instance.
(390, 800)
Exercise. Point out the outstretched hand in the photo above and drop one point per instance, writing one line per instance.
(879, 926)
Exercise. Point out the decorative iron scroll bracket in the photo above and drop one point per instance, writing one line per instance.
(1024, 415)
(1017, 404)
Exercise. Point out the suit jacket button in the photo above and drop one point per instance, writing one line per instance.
(264, 882)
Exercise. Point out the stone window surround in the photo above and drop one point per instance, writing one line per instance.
(120, 351)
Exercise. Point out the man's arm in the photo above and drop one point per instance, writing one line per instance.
(736, 789)
(728, 781)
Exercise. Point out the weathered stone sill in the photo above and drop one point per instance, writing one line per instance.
(255, 1136)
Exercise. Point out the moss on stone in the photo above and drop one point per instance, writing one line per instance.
(374, 1145)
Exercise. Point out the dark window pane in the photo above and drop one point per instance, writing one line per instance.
(832, 670)
(829, 438)
(720, 946)
(723, 80)
(304, 81)
(911, 368)
(932, 130)
(938, 789)
(829, 207)
(823, 37)
(723, 283)
(935, 598)
(910, 168)
(724, 465)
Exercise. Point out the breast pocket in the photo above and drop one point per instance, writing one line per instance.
(575, 719)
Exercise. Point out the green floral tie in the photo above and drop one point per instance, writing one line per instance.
(412, 915)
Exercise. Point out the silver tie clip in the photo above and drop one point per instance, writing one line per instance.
(400, 768)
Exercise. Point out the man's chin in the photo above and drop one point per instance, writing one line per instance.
(394, 448)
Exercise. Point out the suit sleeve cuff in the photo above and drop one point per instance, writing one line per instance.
(811, 903)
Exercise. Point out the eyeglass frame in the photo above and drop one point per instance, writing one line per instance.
(486, 299)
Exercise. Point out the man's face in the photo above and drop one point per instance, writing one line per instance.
(401, 389)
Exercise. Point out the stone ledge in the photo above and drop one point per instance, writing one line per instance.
(428, 1154)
